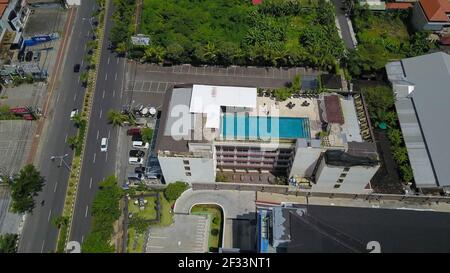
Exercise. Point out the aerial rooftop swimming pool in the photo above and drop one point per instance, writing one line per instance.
(242, 126)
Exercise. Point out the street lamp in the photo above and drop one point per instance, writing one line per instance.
(90, 23)
(52, 158)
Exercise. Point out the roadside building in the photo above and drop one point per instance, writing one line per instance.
(317, 142)
(334, 229)
(432, 15)
(422, 91)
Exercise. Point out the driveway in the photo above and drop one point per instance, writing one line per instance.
(235, 204)
(344, 25)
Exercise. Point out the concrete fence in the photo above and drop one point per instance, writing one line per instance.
(291, 191)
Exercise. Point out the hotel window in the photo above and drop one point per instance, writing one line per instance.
(337, 186)
(346, 169)
(186, 162)
(340, 180)
(187, 168)
(343, 175)
(188, 174)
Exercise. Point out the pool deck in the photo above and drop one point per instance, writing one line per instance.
(279, 109)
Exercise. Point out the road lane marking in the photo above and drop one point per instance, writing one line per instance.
(56, 185)
(82, 238)
(75, 97)
(82, 61)
(117, 60)
(90, 183)
(115, 77)
(98, 132)
(93, 161)
(109, 133)
(101, 111)
(103, 96)
(157, 237)
(106, 76)
(78, 79)
(57, 97)
(114, 93)
(106, 158)
(155, 246)
(108, 60)
(86, 213)
(65, 139)
(42, 248)
(49, 214)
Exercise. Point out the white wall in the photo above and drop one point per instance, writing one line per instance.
(202, 169)
(354, 182)
(304, 161)
(73, 2)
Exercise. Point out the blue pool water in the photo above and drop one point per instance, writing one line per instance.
(262, 127)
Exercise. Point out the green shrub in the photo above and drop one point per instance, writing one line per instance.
(174, 190)
(214, 232)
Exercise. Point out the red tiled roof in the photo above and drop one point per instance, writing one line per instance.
(436, 10)
(333, 109)
(256, 2)
(3, 7)
(393, 5)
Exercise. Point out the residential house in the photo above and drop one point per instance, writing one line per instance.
(432, 15)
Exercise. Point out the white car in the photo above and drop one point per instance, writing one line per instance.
(73, 113)
(104, 145)
(140, 144)
(135, 161)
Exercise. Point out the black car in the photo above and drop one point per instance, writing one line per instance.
(136, 137)
(137, 153)
(139, 169)
(76, 68)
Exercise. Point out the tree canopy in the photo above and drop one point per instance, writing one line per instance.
(24, 188)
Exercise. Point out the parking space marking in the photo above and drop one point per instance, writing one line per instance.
(149, 246)
(156, 237)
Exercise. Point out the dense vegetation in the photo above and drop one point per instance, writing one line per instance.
(105, 211)
(382, 37)
(174, 190)
(380, 102)
(278, 32)
(8, 243)
(24, 188)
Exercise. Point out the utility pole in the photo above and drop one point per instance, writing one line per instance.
(52, 158)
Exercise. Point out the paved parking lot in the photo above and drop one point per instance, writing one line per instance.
(188, 234)
(15, 143)
(147, 83)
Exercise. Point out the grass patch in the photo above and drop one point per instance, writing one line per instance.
(149, 213)
(216, 224)
(135, 242)
(166, 207)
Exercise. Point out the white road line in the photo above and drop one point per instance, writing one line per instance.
(106, 76)
(86, 213)
(109, 133)
(108, 60)
(98, 132)
(56, 186)
(101, 111)
(75, 97)
(114, 93)
(103, 96)
(93, 161)
(157, 237)
(65, 139)
(117, 60)
(57, 97)
(106, 157)
(90, 183)
(155, 246)
(42, 247)
(82, 238)
(78, 79)
(49, 214)
(115, 76)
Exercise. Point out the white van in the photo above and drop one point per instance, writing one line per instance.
(140, 144)
(136, 161)
(104, 145)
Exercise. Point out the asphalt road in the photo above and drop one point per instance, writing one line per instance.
(98, 165)
(345, 30)
(39, 234)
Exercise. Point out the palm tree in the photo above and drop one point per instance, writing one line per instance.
(116, 118)
(60, 221)
(73, 142)
(78, 120)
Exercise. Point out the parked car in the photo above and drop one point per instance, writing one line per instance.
(73, 113)
(136, 176)
(137, 153)
(136, 161)
(134, 131)
(140, 169)
(76, 68)
(140, 145)
(137, 137)
(153, 176)
(104, 145)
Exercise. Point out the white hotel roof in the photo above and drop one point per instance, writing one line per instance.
(208, 99)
